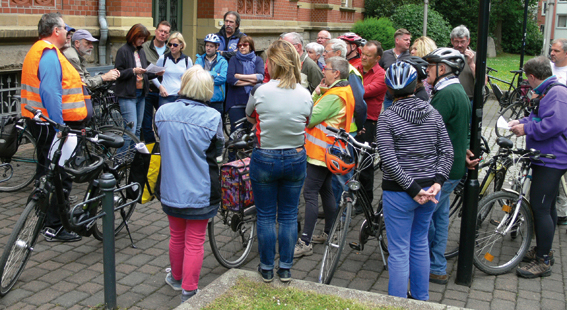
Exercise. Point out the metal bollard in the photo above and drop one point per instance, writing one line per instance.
(107, 184)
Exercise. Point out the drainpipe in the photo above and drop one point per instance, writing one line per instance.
(103, 32)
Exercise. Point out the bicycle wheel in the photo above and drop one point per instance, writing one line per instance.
(335, 243)
(113, 117)
(21, 166)
(231, 237)
(20, 246)
(497, 251)
(512, 112)
(383, 237)
(455, 213)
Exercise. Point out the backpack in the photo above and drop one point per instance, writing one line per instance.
(8, 136)
(235, 185)
(145, 170)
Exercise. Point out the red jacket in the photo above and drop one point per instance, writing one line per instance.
(374, 90)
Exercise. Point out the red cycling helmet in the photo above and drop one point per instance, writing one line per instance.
(351, 38)
(338, 160)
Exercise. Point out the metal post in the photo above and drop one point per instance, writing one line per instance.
(523, 52)
(470, 200)
(549, 18)
(425, 2)
(107, 184)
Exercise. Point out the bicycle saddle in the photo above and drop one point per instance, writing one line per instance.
(505, 143)
(516, 71)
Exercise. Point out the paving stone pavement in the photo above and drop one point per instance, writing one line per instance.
(69, 276)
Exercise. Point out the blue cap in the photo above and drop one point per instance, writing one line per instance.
(69, 28)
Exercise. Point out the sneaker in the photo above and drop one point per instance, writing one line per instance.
(439, 279)
(562, 220)
(531, 255)
(319, 238)
(284, 274)
(539, 267)
(187, 294)
(175, 284)
(302, 249)
(267, 275)
(60, 235)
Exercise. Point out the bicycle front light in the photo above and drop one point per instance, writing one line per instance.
(354, 185)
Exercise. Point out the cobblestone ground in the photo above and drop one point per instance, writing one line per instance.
(69, 276)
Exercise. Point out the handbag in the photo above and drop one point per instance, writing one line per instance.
(145, 169)
(8, 136)
(235, 185)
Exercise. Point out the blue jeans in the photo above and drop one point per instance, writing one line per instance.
(165, 100)
(152, 103)
(277, 177)
(387, 103)
(406, 226)
(439, 229)
(132, 110)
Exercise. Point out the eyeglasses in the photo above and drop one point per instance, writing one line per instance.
(172, 44)
(321, 38)
(330, 69)
(243, 45)
(326, 51)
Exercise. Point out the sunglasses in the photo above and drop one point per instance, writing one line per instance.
(243, 45)
(172, 44)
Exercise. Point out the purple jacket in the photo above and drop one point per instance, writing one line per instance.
(547, 131)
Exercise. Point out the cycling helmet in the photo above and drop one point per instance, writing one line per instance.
(213, 38)
(83, 169)
(338, 160)
(401, 78)
(449, 56)
(351, 37)
(419, 65)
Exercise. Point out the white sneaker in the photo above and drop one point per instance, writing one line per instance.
(302, 249)
(319, 238)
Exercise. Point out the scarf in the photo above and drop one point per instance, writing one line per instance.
(248, 62)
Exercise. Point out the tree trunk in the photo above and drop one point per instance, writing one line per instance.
(498, 38)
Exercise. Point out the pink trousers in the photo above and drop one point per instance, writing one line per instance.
(186, 250)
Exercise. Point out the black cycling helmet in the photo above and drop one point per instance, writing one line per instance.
(83, 169)
(401, 78)
(449, 56)
(419, 65)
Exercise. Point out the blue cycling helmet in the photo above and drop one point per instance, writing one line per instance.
(213, 38)
(401, 78)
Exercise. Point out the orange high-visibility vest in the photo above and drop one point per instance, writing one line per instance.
(73, 100)
(316, 141)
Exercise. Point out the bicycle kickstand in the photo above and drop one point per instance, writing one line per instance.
(123, 214)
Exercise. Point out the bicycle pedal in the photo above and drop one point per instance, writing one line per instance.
(355, 246)
(49, 232)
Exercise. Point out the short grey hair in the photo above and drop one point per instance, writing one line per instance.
(338, 45)
(538, 67)
(295, 37)
(196, 83)
(316, 47)
(563, 43)
(460, 32)
(340, 64)
(48, 22)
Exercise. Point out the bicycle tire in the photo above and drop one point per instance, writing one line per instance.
(24, 164)
(335, 243)
(512, 112)
(20, 246)
(113, 117)
(231, 237)
(383, 237)
(494, 252)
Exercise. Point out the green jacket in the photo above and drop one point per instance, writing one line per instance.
(454, 106)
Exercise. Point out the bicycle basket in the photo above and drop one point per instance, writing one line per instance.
(235, 185)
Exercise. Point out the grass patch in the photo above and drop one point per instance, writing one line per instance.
(504, 63)
(247, 294)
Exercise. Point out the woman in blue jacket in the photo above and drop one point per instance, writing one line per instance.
(245, 70)
(190, 186)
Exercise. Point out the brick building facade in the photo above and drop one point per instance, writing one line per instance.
(264, 20)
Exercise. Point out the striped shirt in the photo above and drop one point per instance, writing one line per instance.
(414, 146)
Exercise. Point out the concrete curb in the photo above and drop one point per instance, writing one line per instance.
(228, 279)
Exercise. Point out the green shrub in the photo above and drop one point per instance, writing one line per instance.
(512, 41)
(376, 29)
(410, 17)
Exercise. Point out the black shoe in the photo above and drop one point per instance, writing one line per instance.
(284, 274)
(60, 235)
(267, 275)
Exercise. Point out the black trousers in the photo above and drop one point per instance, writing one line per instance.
(366, 177)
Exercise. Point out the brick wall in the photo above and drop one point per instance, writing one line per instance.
(141, 8)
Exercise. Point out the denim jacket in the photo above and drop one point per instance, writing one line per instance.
(218, 73)
(189, 131)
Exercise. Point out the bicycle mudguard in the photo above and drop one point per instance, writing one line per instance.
(508, 190)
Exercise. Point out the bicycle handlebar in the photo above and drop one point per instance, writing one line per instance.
(345, 136)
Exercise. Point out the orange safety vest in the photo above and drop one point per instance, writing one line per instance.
(316, 141)
(73, 99)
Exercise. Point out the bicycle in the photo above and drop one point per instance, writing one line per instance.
(106, 110)
(513, 93)
(80, 218)
(18, 171)
(493, 181)
(506, 213)
(373, 225)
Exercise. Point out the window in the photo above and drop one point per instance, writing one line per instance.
(348, 3)
(544, 9)
(561, 21)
